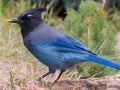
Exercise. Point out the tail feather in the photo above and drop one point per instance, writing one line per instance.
(104, 61)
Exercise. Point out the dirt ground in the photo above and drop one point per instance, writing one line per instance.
(105, 83)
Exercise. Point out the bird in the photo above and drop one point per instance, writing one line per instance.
(52, 47)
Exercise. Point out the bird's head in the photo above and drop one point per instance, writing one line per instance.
(29, 18)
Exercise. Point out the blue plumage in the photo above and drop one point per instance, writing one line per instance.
(54, 48)
(104, 61)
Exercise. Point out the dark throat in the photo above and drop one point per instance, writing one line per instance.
(28, 28)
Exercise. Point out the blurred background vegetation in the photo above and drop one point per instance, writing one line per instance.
(94, 22)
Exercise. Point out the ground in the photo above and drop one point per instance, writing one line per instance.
(105, 83)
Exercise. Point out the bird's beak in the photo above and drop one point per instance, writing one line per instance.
(13, 20)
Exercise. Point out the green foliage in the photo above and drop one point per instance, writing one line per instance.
(115, 19)
(90, 25)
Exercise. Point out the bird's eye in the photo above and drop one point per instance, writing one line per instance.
(27, 17)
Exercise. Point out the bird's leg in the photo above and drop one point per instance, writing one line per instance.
(40, 78)
(59, 76)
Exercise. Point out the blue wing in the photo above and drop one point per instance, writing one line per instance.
(76, 42)
(79, 44)
(78, 52)
(70, 44)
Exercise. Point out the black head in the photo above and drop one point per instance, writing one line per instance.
(29, 18)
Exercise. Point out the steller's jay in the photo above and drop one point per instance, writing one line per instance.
(54, 48)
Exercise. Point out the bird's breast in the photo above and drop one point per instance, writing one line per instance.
(42, 51)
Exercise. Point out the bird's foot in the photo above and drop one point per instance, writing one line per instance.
(39, 79)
